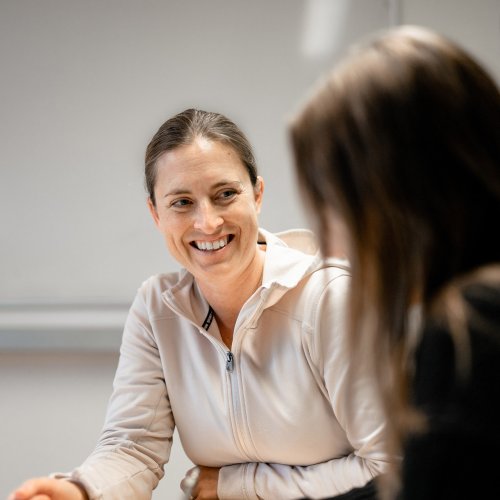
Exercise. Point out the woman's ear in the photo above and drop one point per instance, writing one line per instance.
(153, 212)
(259, 192)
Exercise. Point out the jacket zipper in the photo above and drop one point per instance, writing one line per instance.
(229, 361)
(237, 420)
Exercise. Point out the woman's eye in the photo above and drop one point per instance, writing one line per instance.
(181, 203)
(227, 194)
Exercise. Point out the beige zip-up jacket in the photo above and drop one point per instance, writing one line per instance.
(276, 413)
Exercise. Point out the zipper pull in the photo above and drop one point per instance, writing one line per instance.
(229, 361)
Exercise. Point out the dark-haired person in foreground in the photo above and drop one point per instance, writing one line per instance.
(399, 150)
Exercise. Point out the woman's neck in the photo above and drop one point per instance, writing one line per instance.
(228, 295)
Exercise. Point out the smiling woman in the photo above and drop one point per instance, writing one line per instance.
(207, 211)
(244, 350)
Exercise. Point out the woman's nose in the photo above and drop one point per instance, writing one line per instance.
(207, 218)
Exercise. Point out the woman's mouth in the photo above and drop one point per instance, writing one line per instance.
(210, 246)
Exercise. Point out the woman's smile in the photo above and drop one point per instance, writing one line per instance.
(212, 245)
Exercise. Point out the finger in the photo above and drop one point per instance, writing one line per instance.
(187, 484)
(39, 488)
(30, 488)
(21, 495)
(189, 481)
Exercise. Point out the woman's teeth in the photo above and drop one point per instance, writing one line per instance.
(211, 245)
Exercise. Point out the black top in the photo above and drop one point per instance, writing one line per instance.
(458, 456)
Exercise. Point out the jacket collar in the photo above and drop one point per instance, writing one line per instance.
(290, 256)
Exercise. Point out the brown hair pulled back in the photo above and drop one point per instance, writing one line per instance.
(183, 128)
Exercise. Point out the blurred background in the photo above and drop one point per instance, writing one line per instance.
(84, 86)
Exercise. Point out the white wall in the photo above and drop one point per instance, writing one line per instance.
(475, 24)
(84, 86)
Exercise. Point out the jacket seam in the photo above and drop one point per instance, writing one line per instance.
(172, 316)
(315, 314)
(149, 331)
(289, 314)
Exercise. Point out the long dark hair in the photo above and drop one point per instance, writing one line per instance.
(402, 141)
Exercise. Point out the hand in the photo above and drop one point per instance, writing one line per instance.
(200, 483)
(46, 488)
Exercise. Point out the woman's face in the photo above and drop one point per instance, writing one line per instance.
(206, 209)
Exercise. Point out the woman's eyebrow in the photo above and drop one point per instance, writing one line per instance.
(226, 183)
(176, 192)
(218, 184)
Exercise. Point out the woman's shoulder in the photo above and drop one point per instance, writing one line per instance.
(328, 272)
(162, 281)
(153, 288)
(471, 300)
(482, 297)
(325, 285)
(150, 300)
(460, 345)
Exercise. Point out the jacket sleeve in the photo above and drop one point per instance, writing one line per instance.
(137, 436)
(356, 406)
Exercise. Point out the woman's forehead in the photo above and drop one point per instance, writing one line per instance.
(204, 161)
(203, 151)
